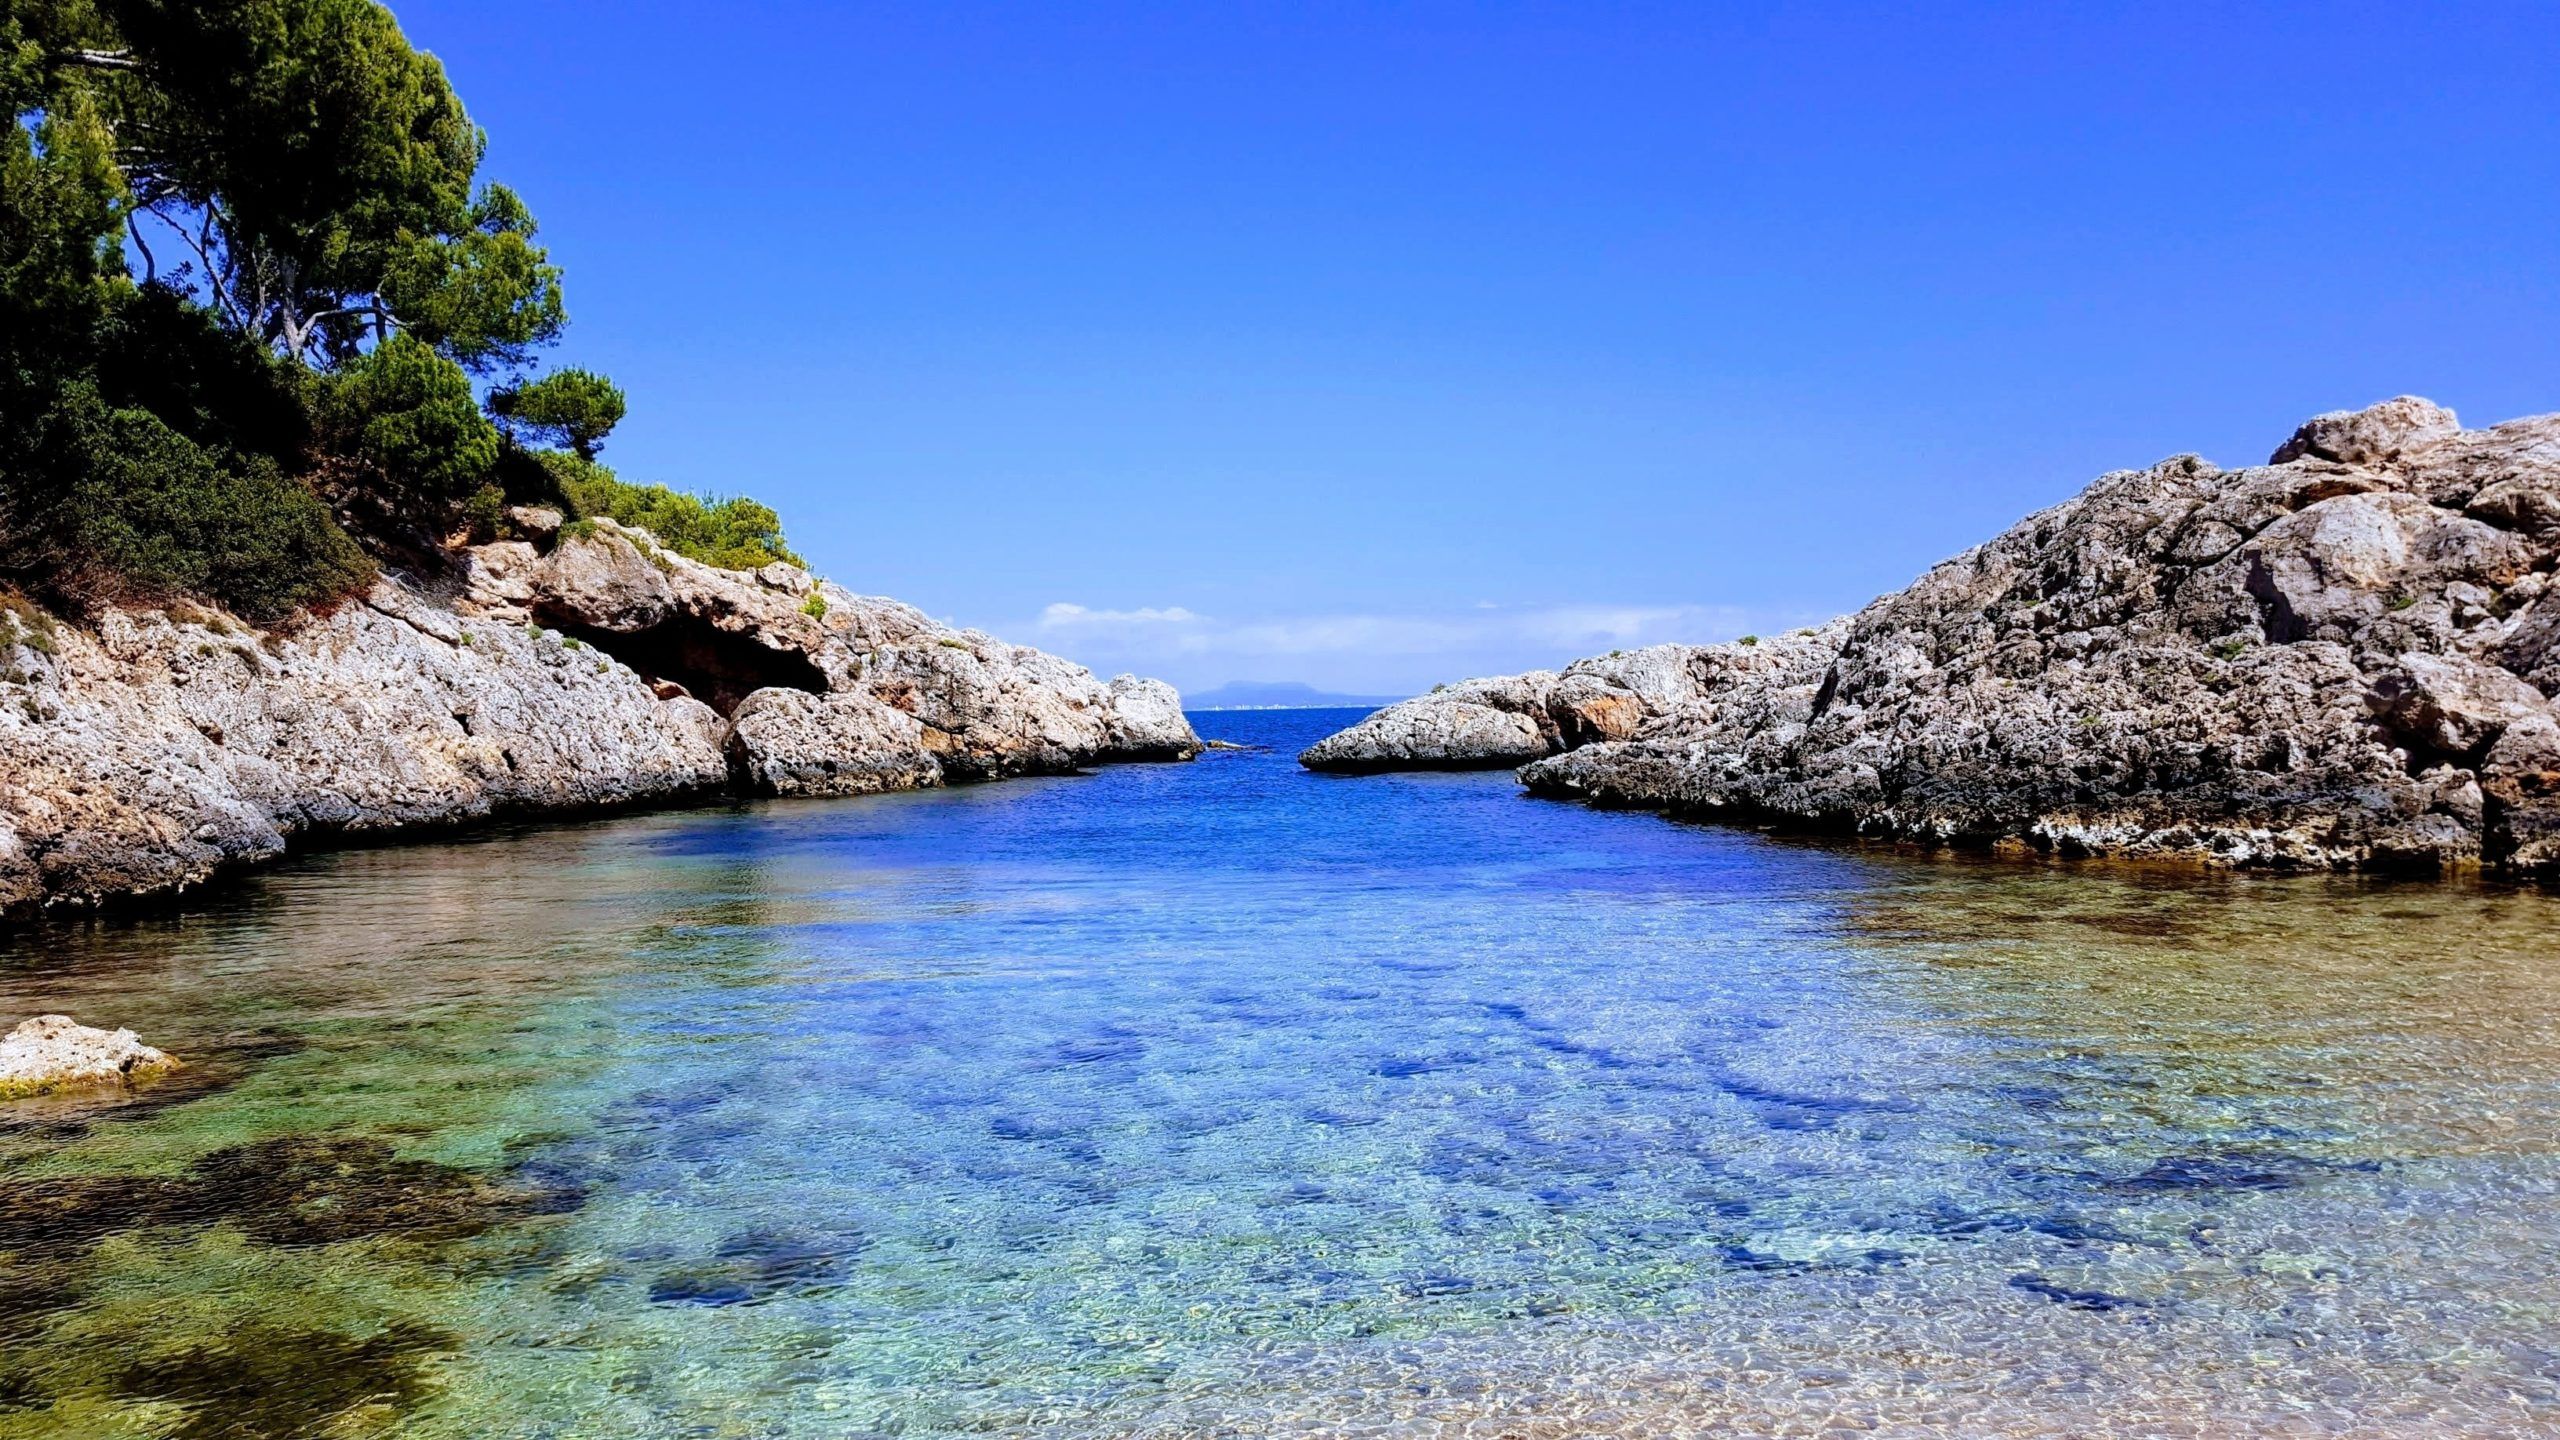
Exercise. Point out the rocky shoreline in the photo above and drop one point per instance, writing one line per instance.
(577, 667)
(2346, 658)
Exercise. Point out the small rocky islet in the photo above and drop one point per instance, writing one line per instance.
(2346, 658)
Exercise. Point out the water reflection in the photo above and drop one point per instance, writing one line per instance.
(1228, 1099)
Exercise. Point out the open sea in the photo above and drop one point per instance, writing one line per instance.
(1225, 1099)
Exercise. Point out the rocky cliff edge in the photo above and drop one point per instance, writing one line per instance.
(2345, 658)
(580, 667)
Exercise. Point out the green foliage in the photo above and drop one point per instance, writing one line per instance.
(162, 353)
(59, 194)
(407, 414)
(815, 607)
(151, 515)
(24, 624)
(486, 296)
(734, 534)
(575, 409)
(1750, 639)
(316, 143)
(486, 513)
(297, 183)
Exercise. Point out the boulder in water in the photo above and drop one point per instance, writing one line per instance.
(55, 1052)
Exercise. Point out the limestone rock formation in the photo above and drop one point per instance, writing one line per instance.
(2346, 658)
(790, 742)
(1477, 724)
(584, 668)
(1509, 720)
(54, 1052)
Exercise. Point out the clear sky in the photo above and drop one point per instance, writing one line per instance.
(1375, 345)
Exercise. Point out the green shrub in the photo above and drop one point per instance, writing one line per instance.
(163, 353)
(1750, 639)
(734, 534)
(407, 413)
(815, 607)
(147, 514)
(571, 408)
(486, 513)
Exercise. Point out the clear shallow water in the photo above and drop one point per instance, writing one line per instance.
(1227, 1099)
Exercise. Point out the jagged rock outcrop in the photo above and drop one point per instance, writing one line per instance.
(1510, 720)
(55, 1052)
(1473, 725)
(790, 742)
(580, 669)
(2345, 658)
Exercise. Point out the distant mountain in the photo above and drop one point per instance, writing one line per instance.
(1280, 695)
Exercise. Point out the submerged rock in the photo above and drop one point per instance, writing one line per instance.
(55, 1052)
(147, 749)
(2346, 658)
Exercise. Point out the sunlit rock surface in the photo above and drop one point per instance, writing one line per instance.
(55, 1052)
(584, 668)
(2345, 658)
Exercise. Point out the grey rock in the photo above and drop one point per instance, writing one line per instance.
(1147, 722)
(2449, 704)
(1509, 719)
(790, 742)
(1477, 724)
(150, 749)
(605, 581)
(535, 522)
(2378, 433)
(2344, 659)
(2520, 784)
(55, 1052)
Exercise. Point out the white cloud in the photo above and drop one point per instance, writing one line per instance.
(1384, 651)
(1063, 616)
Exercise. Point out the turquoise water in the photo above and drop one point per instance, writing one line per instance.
(1225, 1099)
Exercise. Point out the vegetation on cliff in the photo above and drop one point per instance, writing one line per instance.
(261, 317)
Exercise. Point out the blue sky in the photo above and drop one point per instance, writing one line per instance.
(1376, 345)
